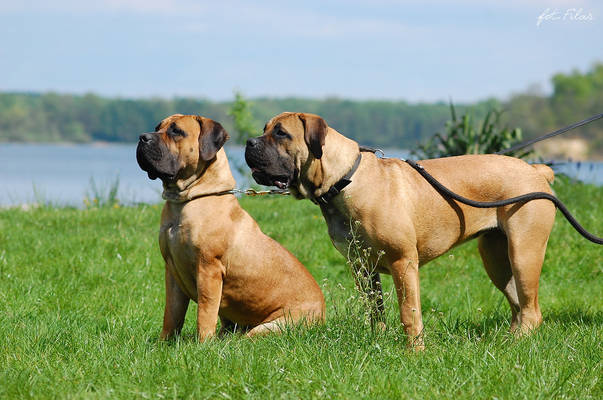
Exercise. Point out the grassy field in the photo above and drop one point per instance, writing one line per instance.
(81, 303)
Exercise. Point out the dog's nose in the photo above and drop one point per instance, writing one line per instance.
(252, 142)
(146, 137)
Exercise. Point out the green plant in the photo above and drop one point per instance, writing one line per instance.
(102, 196)
(363, 264)
(244, 123)
(39, 195)
(463, 136)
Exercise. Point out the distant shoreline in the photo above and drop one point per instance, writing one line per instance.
(546, 152)
(96, 143)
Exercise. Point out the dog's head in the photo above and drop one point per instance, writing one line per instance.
(181, 146)
(282, 155)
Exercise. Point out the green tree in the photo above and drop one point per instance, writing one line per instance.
(51, 117)
(579, 95)
(244, 123)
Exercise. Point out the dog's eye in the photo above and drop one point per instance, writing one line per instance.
(281, 133)
(174, 132)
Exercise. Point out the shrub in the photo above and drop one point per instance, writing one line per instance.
(463, 136)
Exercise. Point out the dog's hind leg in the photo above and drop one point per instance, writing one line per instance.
(275, 326)
(494, 251)
(308, 315)
(526, 263)
(528, 228)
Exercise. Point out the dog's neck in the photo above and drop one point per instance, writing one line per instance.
(212, 178)
(339, 155)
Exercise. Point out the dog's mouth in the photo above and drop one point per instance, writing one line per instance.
(164, 177)
(263, 178)
(268, 168)
(281, 182)
(153, 174)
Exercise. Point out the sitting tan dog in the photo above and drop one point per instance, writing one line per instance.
(214, 252)
(402, 216)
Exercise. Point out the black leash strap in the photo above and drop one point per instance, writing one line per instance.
(523, 198)
(550, 135)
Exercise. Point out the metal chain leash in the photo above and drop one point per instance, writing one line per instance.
(253, 192)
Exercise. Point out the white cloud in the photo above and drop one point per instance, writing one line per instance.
(289, 19)
(303, 22)
(497, 3)
(100, 6)
(342, 18)
(188, 6)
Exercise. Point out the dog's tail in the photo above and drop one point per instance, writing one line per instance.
(545, 171)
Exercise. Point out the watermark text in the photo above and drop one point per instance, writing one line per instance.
(570, 14)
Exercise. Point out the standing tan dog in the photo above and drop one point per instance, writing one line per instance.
(214, 252)
(403, 216)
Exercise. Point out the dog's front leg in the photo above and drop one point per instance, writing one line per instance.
(176, 304)
(209, 295)
(405, 273)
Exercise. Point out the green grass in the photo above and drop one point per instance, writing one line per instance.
(81, 302)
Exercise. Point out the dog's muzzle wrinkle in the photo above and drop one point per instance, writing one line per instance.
(254, 157)
(149, 148)
(152, 157)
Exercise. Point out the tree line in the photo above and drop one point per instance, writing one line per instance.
(54, 117)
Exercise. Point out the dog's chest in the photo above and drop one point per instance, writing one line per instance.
(180, 256)
(350, 239)
(177, 237)
(339, 228)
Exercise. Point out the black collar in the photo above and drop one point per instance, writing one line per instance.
(325, 198)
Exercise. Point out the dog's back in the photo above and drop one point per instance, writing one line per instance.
(545, 171)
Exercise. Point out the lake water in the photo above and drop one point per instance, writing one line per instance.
(63, 174)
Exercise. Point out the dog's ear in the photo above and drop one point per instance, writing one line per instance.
(211, 138)
(315, 130)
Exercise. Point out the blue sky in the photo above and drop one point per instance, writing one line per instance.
(383, 49)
